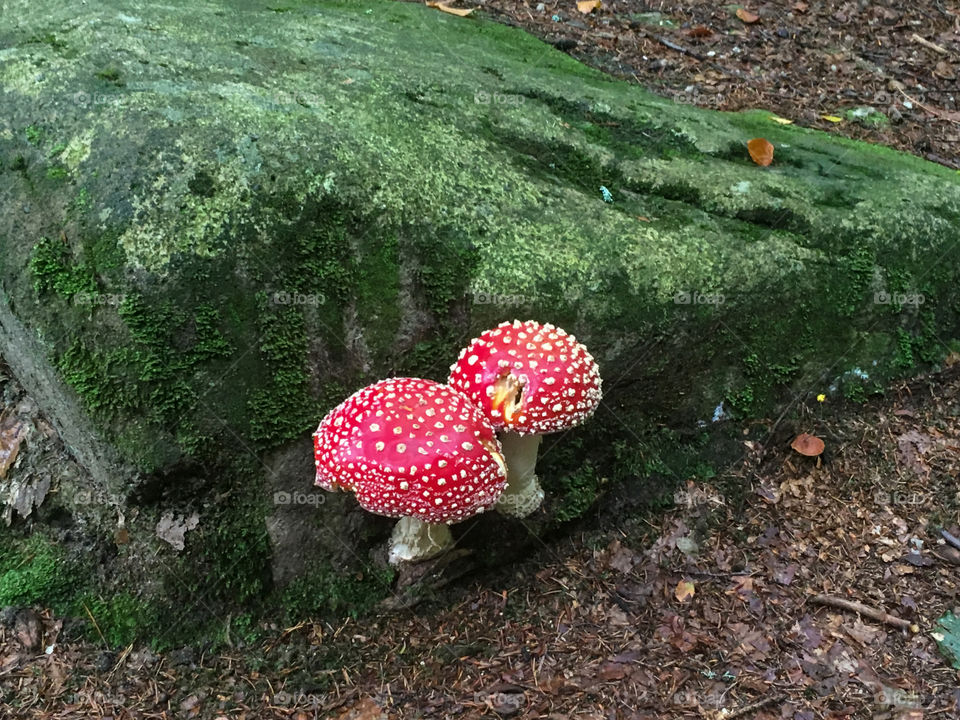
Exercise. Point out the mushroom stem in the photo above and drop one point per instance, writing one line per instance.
(523, 493)
(414, 540)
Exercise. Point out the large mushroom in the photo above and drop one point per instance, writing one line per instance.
(528, 379)
(416, 450)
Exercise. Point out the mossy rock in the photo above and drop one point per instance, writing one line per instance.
(219, 219)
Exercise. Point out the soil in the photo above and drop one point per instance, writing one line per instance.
(732, 598)
(884, 72)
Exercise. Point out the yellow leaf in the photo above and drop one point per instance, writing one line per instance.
(685, 590)
(586, 6)
(447, 9)
(780, 120)
(832, 118)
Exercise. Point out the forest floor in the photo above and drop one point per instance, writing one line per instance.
(731, 603)
(725, 605)
(884, 72)
(728, 604)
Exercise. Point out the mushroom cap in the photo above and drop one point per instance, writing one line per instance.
(411, 448)
(529, 378)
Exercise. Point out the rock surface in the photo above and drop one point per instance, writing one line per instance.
(220, 219)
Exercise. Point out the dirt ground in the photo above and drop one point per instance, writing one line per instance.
(728, 604)
(886, 72)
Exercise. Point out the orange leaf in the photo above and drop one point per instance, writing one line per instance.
(685, 590)
(761, 151)
(447, 9)
(586, 6)
(809, 445)
(747, 16)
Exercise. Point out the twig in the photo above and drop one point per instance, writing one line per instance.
(927, 44)
(870, 612)
(96, 627)
(747, 709)
(950, 539)
(942, 114)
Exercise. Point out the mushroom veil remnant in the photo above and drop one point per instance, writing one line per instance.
(416, 450)
(528, 379)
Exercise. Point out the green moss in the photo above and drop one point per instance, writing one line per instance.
(283, 408)
(111, 75)
(53, 269)
(575, 492)
(121, 618)
(34, 571)
(328, 590)
(34, 135)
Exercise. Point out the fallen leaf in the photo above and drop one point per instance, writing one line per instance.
(443, 7)
(173, 530)
(761, 151)
(586, 6)
(832, 118)
(800, 7)
(809, 445)
(700, 31)
(780, 120)
(11, 435)
(747, 16)
(685, 590)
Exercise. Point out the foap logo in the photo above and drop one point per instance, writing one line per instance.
(882, 497)
(482, 97)
(88, 298)
(298, 498)
(295, 298)
(685, 297)
(485, 298)
(297, 699)
(898, 299)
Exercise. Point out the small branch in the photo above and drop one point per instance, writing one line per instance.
(927, 44)
(747, 709)
(950, 539)
(866, 610)
(949, 116)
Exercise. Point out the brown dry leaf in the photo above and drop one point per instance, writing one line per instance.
(747, 16)
(809, 445)
(945, 70)
(443, 7)
(800, 7)
(685, 590)
(11, 435)
(366, 709)
(586, 6)
(761, 151)
(700, 31)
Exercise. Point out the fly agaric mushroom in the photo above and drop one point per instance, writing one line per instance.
(528, 379)
(416, 450)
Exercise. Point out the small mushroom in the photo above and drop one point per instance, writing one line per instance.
(809, 445)
(416, 450)
(528, 379)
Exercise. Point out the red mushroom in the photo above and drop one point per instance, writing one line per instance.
(528, 379)
(416, 450)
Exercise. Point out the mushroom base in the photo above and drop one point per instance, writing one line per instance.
(414, 540)
(523, 494)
